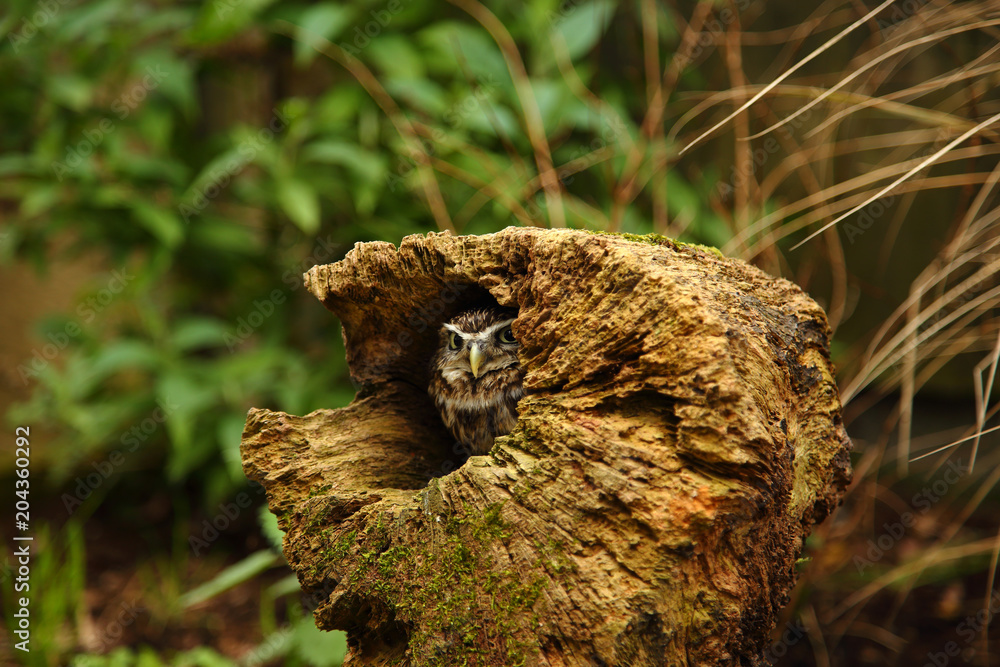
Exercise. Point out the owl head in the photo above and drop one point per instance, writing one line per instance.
(476, 343)
(476, 377)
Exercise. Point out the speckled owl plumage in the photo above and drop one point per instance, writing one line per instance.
(477, 409)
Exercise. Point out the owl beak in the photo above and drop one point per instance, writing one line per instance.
(475, 359)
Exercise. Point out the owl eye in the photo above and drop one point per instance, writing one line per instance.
(454, 341)
(507, 336)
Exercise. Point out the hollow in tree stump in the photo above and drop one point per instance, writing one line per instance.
(680, 436)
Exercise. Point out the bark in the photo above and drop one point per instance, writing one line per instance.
(680, 436)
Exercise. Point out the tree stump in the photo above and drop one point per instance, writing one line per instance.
(680, 436)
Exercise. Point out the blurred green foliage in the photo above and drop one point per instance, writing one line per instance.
(59, 561)
(298, 645)
(208, 153)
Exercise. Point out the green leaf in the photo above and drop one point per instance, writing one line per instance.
(89, 21)
(396, 57)
(201, 656)
(336, 107)
(162, 71)
(219, 172)
(682, 200)
(369, 170)
(198, 332)
(269, 527)
(156, 126)
(317, 647)
(367, 165)
(111, 195)
(222, 19)
(184, 398)
(234, 575)
(40, 199)
(581, 26)
(215, 235)
(73, 91)
(458, 49)
(165, 21)
(553, 97)
(422, 94)
(319, 22)
(127, 354)
(136, 166)
(161, 223)
(229, 432)
(12, 163)
(300, 203)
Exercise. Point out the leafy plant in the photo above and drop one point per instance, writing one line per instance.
(204, 155)
(53, 588)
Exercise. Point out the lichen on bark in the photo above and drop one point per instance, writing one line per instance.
(680, 436)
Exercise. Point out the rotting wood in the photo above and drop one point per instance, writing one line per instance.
(680, 437)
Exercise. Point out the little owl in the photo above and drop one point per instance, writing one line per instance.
(476, 377)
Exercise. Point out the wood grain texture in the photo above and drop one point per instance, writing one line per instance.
(680, 436)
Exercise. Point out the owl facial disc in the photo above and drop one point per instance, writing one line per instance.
(476, 378)
(480, 351)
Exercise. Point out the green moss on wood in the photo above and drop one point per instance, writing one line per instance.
(660, 240)
(458, 585)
